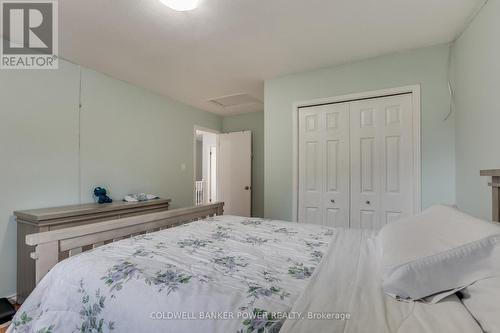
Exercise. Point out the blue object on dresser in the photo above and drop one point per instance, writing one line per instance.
(101, 195)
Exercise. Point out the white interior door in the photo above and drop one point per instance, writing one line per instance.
(213, 174)
(235, 172)
(381, 160)
(324, 165)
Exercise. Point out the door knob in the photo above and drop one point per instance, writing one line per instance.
(368, 202)
(247, 188)
(332, 201)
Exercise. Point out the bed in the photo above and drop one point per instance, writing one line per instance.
(216, 273)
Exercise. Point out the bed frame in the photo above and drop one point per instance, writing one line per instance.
(54, 246)
(495, 192)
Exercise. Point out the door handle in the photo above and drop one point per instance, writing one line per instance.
(368, 202)
(247, 188)
(332, 201)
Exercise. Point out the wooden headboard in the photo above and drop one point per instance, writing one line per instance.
(495, 187)
(53, 246)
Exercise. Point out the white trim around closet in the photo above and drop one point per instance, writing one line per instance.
(417, 167)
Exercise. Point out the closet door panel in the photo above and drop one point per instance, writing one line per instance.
(336, 175)
(365, 167)
(381, 161)
(310, 166)
(324, 165)
(397, 161)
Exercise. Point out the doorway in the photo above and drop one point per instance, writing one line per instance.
(205, 167)
(223, 170)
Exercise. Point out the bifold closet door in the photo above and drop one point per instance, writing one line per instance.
(381, 160)
(324, 165)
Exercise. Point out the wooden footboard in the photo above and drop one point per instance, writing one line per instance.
(54, 246)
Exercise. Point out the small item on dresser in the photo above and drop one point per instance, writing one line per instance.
(101, 195)
(7, 311)
(140, 197)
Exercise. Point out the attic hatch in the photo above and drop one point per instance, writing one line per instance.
(235, 100)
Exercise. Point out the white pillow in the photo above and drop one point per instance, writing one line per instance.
(439, 250)
(482, 299)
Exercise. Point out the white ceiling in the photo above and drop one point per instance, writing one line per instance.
(227, 47)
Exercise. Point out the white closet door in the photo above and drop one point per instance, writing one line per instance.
(381, 160)
(324, 165)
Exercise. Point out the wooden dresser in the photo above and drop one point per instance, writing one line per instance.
(45, 219)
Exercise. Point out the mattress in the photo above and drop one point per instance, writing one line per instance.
(222, 274)
(231, 274)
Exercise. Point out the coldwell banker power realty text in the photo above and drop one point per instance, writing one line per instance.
(29, 35)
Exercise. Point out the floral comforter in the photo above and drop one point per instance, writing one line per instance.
(222, 274)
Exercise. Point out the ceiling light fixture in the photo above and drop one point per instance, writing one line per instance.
(181, 5)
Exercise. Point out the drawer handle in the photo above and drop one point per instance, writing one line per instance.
(332, 201)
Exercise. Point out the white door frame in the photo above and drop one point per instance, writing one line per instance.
(417, 156)
(203, 129)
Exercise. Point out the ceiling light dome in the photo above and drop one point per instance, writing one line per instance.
(181, 5)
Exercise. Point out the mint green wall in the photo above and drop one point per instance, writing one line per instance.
(255, 122)
(427, 67)
(131, 140)
(38, 150)
(476, 72)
